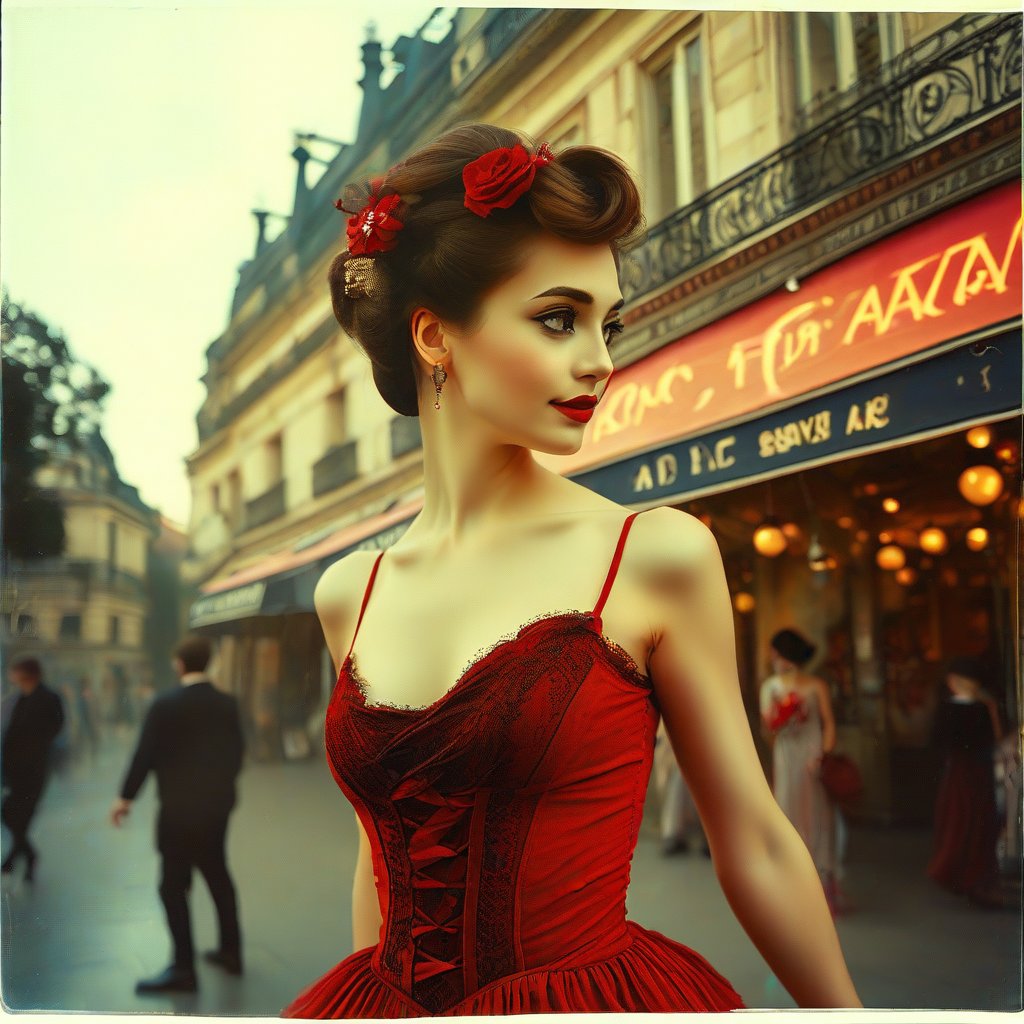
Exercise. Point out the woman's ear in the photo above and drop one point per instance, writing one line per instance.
(428, 335)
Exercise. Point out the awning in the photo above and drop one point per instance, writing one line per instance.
(284, 581)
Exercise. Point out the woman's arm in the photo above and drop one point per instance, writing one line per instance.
(764, 868)
(993, 713)
(366, 916)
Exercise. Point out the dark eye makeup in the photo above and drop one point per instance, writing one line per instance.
(565, 318)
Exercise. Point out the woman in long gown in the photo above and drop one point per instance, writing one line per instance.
(797, 711)
(966, 827)
(498, 805)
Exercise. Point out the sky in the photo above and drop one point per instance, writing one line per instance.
(135, 142)
(137, 136)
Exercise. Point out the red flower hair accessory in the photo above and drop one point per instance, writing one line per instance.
(499, 177)
(374, 228)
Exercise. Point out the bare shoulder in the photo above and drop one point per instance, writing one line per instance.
(675, 541)
(342, 584)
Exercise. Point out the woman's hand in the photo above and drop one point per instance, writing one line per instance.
(764, 867)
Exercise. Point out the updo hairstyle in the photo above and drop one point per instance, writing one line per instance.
(446, 258)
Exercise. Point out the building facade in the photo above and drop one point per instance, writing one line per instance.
(827, 300)
(90, 614)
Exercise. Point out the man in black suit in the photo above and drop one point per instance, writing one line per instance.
(35, 720)
(192, 739)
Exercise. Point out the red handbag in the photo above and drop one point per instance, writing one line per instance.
(841, 778)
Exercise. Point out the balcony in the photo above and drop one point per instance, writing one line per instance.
(950, 82)
(336, 468)
(77, 580)
(268, 506)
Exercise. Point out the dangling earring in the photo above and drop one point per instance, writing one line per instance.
(440, 377)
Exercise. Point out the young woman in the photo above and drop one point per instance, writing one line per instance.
(503, 666)
(797, 712)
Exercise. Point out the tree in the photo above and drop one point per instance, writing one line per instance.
(47, 397)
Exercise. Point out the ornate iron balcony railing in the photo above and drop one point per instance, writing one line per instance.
(960, 76)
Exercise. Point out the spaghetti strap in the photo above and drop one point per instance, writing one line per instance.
(366, 597)
(614, 567)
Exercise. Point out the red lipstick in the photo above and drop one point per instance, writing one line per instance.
(579, 409)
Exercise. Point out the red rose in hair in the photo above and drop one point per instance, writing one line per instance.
(374, 227)
(498, 178)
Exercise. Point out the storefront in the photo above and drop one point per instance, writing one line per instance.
(831, 421)
(811, 407)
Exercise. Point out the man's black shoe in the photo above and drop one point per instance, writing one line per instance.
(230, 962)
(174, 979)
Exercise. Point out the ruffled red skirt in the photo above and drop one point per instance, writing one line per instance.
(652, 974)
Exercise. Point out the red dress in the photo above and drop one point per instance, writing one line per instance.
(502, 820)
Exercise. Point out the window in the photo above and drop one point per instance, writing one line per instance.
(680, 125)
(115, 629)
(112, 543)
(833, 50)
(335, 417)
(235, 498)
(71, 627)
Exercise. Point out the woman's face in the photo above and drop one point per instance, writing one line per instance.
(542, 336)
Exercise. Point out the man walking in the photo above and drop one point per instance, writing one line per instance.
(36, 718)
(192, 740)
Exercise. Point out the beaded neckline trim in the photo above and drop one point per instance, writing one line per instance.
(626, 659)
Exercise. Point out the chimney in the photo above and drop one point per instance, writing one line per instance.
(261, 229)
(369, 114)
(301, 155)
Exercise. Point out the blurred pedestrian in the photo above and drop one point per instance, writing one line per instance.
(966, 824)
(797, 713)
(192, 740)
(679, 823)
(87, 716)
(36, 719)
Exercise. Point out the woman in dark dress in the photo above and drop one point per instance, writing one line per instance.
(967, 730)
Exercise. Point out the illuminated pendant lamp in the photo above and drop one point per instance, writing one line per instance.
(977, 538)
(818, 558)
(980, 484)
(769, 540)
(933, 540)
(891, 557)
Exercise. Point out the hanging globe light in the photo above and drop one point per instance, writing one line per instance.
(979, 437)
(817, 556)
(892, 556)
(743, 602)
(977, 538)
(980, 484)
(891, 504)
(933, 540)
(769, 540)
(1007, 451)
(906, 576)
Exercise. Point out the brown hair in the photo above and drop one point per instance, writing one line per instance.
(446, 258)
(194, 651)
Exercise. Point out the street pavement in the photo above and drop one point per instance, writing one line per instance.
(91, 924)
